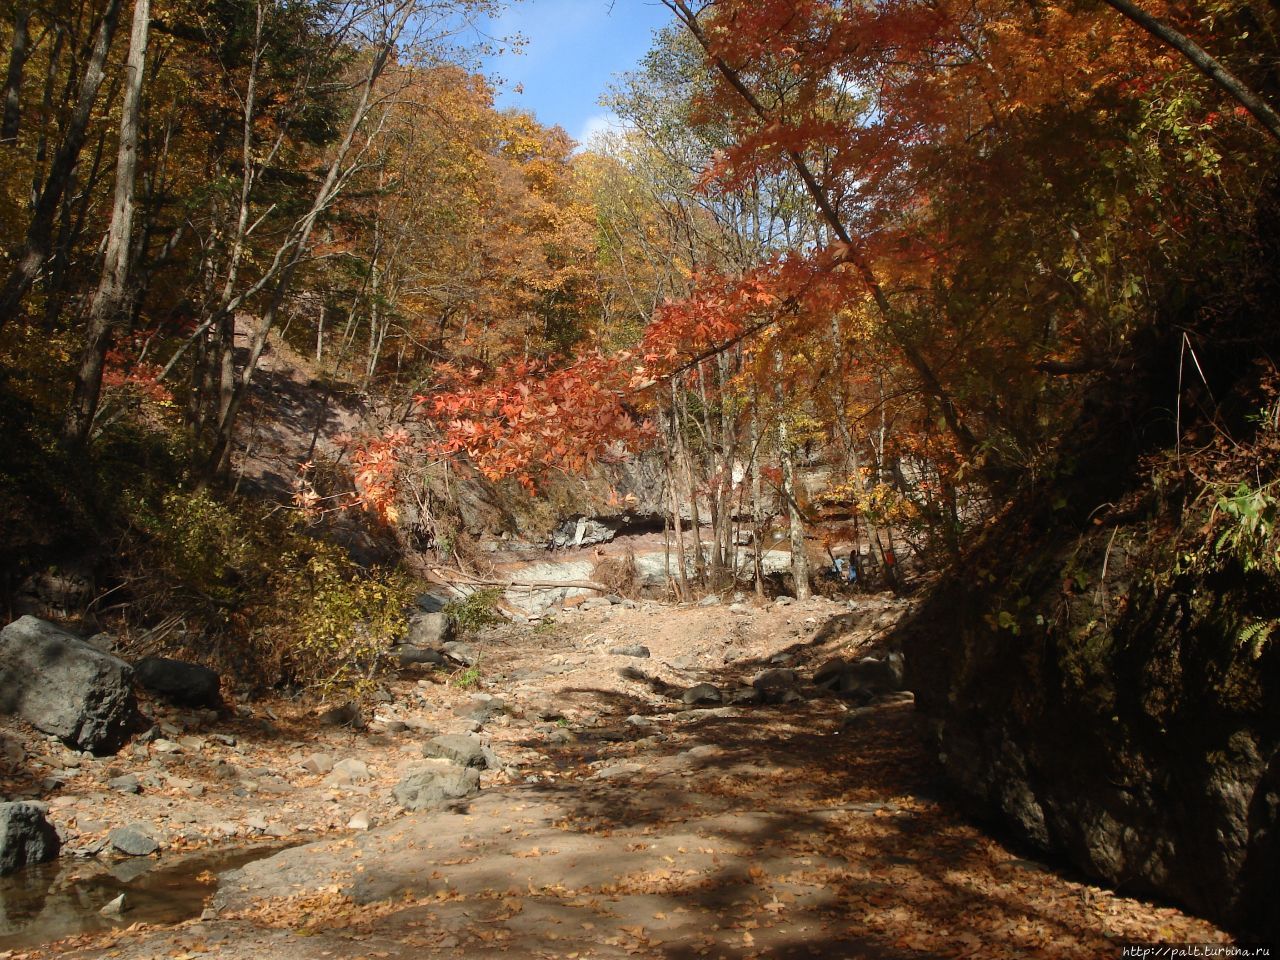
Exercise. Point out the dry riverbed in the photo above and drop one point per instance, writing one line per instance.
(614, 819)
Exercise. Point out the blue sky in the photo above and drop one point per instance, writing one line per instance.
(574, 48)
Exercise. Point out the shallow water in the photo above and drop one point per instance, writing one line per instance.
(60, 899)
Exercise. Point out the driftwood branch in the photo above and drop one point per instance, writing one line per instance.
(446, 574)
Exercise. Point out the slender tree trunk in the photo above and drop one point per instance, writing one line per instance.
(18, 53)
(799, 558)
(111, 296)
(757, 505)
(30, 257)
(681, 578)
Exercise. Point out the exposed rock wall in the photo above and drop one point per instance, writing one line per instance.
(1120, 722)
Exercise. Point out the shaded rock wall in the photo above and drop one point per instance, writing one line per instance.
(1120, 723)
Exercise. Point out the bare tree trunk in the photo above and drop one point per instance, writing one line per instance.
(799, 559)
(18, 53)
(757, 505)
(110, 297)
(682, 580)
(30, 258)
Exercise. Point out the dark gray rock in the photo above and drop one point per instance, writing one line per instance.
(125, 784)
(343, 715)
(411, 656)
(179, 682)
(868, 676)
(464, 749)
(63, 686)
(744, 696)
(430, 603)
(631, 650)
(702, 693)
(481, 707)
(132, 842)
(828, 675)
(774, 685)
(25, 836)
(431, 787)
(461, 653)
(431, 631)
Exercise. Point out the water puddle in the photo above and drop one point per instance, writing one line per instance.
(61, 899)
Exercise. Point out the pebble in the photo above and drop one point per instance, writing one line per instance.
(116, 907)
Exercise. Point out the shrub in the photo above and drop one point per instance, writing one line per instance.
(477, 610)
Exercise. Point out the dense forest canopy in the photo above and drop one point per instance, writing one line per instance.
(916, 234)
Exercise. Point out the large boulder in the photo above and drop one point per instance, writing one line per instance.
(179, 682)
(435, 785)
(60, 684)
(429, 631)
(25, 836)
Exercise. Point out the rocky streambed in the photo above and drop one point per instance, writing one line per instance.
(598, 810)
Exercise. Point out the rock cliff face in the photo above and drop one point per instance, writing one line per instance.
(1114, 716)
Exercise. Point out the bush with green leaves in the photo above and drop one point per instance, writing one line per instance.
(476, 610)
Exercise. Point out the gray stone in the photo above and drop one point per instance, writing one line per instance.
(582, 532)
(702, 693)
(125, 784)
(62, 686)
(411, 656)
(348, 771)
(744, 696)
(630, 650)
(179, 682)
(461, 653)
(773, 685)
(867, 676)
(25, 836)
(132, 842)
(433, 786)
(482, 707)
(430, 631)
(711, 600)
(116, 907)
(320, 763)
(464, 749)
(829, 673)
(343, 715)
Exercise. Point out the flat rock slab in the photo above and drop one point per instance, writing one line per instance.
(63, 686)
(132, 842)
